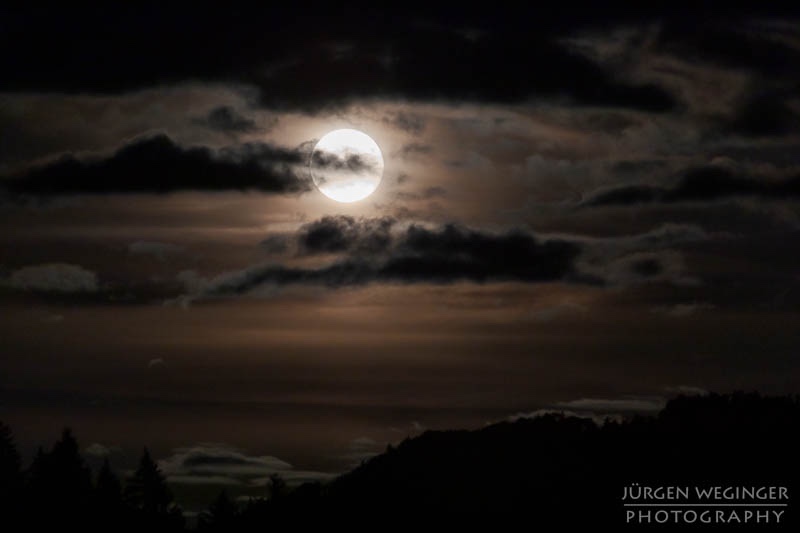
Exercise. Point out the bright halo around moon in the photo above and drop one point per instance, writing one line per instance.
(346, 165)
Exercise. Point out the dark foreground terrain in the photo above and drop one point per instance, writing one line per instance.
(550, 473)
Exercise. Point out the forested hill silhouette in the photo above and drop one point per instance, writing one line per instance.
(548, 473)
(564, 473)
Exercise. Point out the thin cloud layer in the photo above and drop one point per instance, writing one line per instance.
(227, 120)
(625, 405)
(59, 278)
(220, 464)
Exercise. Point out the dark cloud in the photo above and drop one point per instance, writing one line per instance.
(710, 183)
(414, 148)
(408, 122)
(426, 65)
(276, 244)
(434, 192)
(665, 236)
(732, 41)
(699, 185)
(159, 165)
(452, 252)
(628, 167)
(765, 113)
(426, 194)
(664, 267)
(782, 154)
(228, 120)
(388, 250)
(626, 195)
(411, 254)
(357, 163)
(647, 268)
(346, 234)
(327, 235)
(610, 122)
(310, 60)
(765, 48)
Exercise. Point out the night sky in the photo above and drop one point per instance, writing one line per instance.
(582, 210)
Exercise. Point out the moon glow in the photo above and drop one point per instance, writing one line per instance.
(346, 165)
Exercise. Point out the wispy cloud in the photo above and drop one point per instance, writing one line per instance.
(220, 464)
(53, 278)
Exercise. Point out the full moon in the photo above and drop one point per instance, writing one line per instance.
(346, 165)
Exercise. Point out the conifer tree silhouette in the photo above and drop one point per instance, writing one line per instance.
(277, 487)
(36, 474)
(108, 487)
(109, 509)
(147, 489)
(60, 482)
(68, 468)
(220, 516)
(60, 477)
(149, 499)
(10, 470)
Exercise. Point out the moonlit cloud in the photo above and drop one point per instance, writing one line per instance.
(598, 419)
(97, 450)
(53, 277)
(597, 405)
(687, 390)
(362, 449)
(220, 464)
